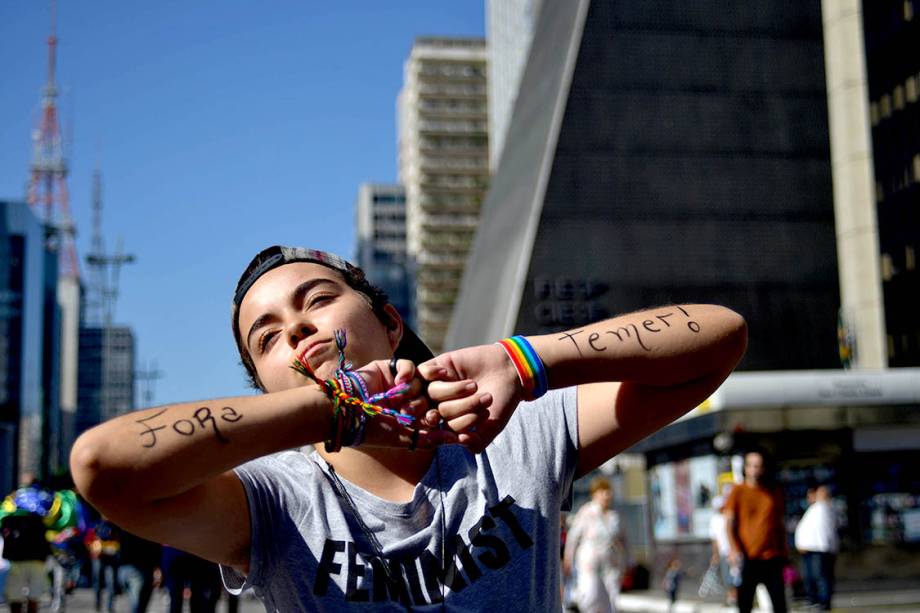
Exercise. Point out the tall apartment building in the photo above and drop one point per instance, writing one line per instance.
(106, 376)
(509, 30)
(30, 419)
(380, 212)
(444, 166)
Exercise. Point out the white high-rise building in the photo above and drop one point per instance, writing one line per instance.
(509, 30)
(444, 166)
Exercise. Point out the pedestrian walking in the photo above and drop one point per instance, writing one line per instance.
(104, 543)
(138, 563)
(757, 533)
(721, 551)
(671, 583)
(25, 546)
(816, 539)
(596, 551)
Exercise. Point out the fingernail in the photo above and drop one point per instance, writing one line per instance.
(470, 386)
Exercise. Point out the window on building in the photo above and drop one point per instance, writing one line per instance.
(887, 267)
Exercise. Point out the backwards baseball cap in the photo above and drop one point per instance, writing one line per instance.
(410, 346)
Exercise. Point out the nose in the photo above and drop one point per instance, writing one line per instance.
(297, 331)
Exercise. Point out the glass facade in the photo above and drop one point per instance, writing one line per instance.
(105, 387)
(381, 252)
(29, 412)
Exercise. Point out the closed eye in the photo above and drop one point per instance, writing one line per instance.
(266, 339)
(319, 299)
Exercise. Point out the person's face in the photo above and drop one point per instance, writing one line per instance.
(753, 466)
(603, 498)
(295, 309)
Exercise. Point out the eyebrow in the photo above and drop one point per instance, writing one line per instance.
(296, 296)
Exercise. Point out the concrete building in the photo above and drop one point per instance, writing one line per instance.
(380, 212)
(443, 164)
(30, 420)
(106, 376)
(509, 30)
(660, 155)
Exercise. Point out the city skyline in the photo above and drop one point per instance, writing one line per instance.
(213, 135)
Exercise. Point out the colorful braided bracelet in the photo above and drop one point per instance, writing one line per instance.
(529, 367)
(351, 405)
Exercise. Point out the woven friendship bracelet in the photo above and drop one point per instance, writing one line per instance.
(350, 403)
(529, 367)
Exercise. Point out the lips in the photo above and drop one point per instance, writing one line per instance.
(310, 350)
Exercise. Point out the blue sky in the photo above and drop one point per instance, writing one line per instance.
(220, 128)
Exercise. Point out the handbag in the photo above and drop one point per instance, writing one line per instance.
(711, 584)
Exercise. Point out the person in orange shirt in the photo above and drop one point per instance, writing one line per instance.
(756, 532)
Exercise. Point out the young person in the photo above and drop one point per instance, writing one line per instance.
(757, 533)
(459, 510)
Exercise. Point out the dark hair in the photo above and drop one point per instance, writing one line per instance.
(768, 475)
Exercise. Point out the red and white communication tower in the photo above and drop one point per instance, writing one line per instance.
(47, 194)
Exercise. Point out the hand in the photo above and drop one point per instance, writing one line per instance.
(384, 430)
(734, 557)
(497, 381)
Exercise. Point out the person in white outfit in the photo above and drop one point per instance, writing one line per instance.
(595, 547)
(721, 548)
(816, 539)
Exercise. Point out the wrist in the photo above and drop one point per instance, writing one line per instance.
(530, 369)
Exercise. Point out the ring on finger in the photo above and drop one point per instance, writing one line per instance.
(393, 370)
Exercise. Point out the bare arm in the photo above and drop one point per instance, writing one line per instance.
(166, 473)
(731, 527)
(635, 373)
(639, 372)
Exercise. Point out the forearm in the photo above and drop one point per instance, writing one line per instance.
(149, 455)
(733, 541)
(658, 347)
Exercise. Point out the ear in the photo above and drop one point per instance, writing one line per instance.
(395, 327)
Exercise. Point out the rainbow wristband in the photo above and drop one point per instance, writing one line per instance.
(528, 365)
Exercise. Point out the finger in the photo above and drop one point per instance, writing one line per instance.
(467, 421)
(440, 391)
(431, 419)
(432, 371)
(417, 407)
(471, 404)
(405, 371)
(472, 440)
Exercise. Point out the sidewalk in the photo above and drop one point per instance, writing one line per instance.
(82, 600)
(851, 602)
